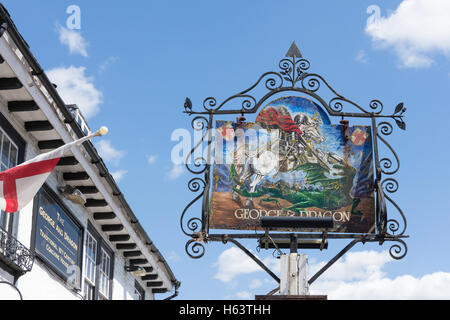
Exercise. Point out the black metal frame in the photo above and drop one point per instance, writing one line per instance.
(293, 77)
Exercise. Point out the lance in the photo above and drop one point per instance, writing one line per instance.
(304, 143)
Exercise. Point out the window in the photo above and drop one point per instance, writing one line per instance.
(97, 267)
(90, 259)
(8, 158)
(104, 272)
(79, 118)
(138, 291)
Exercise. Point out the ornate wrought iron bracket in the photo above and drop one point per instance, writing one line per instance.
(14, 254)
(293, 76)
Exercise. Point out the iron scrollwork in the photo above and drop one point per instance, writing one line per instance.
(15, 254)
(194, 226)
(293, 76)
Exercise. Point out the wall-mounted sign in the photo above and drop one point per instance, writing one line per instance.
(293, 162)
(57, 237)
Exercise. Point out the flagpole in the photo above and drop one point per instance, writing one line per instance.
(59, 152)
(15, 192)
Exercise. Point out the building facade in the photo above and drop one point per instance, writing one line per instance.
(78, 238)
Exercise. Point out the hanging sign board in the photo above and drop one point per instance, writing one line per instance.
(292, 162)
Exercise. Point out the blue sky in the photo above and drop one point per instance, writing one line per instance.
(131, 65)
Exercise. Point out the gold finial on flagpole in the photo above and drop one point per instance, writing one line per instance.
(103, 131)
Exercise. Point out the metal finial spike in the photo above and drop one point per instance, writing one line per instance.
(294, 51)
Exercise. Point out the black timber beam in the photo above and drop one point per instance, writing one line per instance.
(126, 246)
(95, 203)
(104, 215)
(68, 161)
(128, 254)
(154, 284)
(22, 106)
(159, 290)
(32, 126)
(112, 227)
(10, 84)
(50, 144)
(148, 269)
(87, 189)
(149, 277)
(119, 238)
(135, 262)
(74, 176)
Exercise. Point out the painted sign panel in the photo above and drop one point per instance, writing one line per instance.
(57, 238)
(292, 162)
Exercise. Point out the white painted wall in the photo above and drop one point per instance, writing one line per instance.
(6, 291)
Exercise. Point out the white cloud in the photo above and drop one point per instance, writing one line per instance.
(356, 276)
(361, 56)
(359, 276)
(355, 265)
(73, 39)
(176, 172)
(75, 87)
(119, 174)
(429, 287)
(245, 295)
(255, 283)
(415, 30)
(108, 152)
(102, 68)
(234, 262)
(152, 159)
(172, 256)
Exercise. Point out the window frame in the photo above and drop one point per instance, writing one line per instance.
(101, 248)
(14, 137)
(104, 257)
(139, 291)
(87, 257)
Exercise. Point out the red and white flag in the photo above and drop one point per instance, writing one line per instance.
(19, 185)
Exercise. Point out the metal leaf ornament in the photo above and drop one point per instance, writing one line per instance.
(399, 108)
(401, 124)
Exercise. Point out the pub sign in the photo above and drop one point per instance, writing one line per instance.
(57, 237)
(292, 162)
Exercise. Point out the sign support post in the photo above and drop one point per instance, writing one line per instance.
(294, 270)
